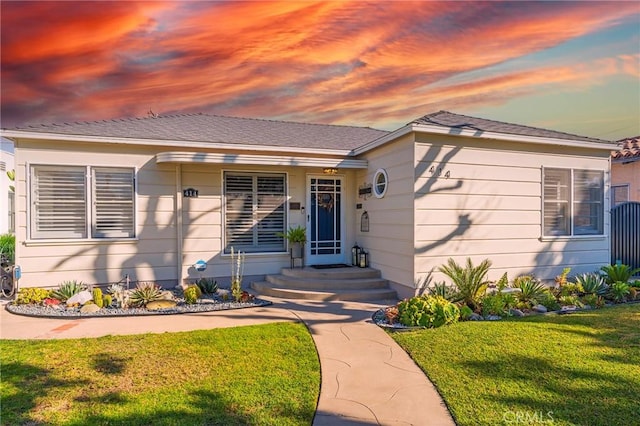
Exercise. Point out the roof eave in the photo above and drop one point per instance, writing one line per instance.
(21, 134)
(474, 133)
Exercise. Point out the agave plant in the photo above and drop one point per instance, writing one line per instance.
(207, 285)
(592, 284)
(145, 293)
(443, 290)
(531, 290)
(68, 289)
(618, 273)
(470, 282)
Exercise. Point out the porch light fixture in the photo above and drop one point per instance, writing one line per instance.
(330, 171)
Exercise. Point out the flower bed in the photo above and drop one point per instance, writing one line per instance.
(206, 304)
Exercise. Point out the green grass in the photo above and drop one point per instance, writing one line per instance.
(258, 375)
(579, 369)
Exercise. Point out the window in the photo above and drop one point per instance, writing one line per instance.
(64, 205)
(255, 212)
(380, 183)
(573, 202)
(620, 194)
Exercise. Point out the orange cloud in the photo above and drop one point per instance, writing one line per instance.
(341, 62)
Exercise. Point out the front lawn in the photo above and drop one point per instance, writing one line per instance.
(259, 375)
(578, 369)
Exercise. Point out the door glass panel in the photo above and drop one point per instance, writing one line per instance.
(325, 221)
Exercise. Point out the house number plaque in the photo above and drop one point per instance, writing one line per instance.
(190, 193)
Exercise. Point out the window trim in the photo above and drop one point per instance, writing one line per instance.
(223, 210)
(571, 203)
(376, 175)
(613, 193)
(89, 239)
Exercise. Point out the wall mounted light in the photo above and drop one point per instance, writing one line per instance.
(330, 171)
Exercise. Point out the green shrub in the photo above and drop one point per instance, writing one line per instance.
(571, 289)
(493, 304)
(145, 293)
(593, 300)
(427, 311)
(465, 313)
(570, 300)
(207, 285)
(619, 291)
(107, 300)
(618, 273)
(68, 289)
(530, 289)
(191, 294)
(8, 246)
(470, 282)
(592, 284)
(32, 295)
(549, 301)
(97, 297)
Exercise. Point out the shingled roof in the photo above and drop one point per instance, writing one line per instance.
(450, 120)
(630, 150)
(219, 129)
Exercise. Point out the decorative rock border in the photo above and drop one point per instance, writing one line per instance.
(203, 305)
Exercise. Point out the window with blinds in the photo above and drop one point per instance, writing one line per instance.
(573, 202)
(113, 215)
(65, 206)
(254, 212)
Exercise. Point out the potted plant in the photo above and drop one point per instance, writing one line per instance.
(296, 237)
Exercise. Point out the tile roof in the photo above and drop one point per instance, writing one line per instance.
(219, 129)
(449, 119)
(629, 151)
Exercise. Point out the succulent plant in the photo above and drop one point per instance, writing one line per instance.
(144, 293)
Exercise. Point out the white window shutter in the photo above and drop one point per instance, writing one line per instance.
(113, 203)
(58, 202)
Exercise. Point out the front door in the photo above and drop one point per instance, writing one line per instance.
(324, 220)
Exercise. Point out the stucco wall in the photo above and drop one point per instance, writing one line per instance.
(489, 207)
(629, 174)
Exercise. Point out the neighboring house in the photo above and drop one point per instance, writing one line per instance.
(625, 172)
(149, 197)
(6, 192)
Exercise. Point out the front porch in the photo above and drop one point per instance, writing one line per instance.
(341, 283)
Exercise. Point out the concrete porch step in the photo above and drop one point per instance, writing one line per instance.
(358, 295)
(331, 273)
(326, 283)
(345, 283)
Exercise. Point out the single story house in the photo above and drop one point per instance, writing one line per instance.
(149, 197)
(625, 171)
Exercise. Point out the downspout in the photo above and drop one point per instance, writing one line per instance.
(179, 222)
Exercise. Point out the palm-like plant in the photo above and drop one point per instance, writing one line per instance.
(470, 281)
(531, 290)
(618, 273)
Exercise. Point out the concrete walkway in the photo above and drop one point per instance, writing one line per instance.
(367, 379)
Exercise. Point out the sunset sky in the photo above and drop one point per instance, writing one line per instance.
(569, 66)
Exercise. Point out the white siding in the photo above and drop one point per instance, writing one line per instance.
(154, 254)
(390, 240)
(489, 207)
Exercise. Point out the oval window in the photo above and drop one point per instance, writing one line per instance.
(380, 183)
